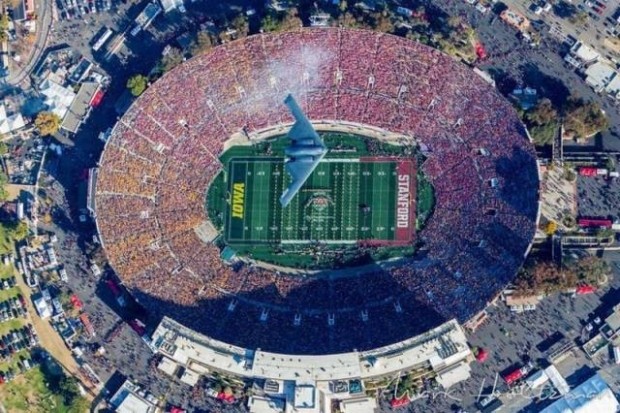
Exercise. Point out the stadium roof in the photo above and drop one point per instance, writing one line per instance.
(592, 396)
(443, 349)
(327, 367)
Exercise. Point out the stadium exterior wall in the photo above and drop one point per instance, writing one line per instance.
(440, 348)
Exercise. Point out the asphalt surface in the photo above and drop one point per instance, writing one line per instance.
(127, 355)
(512, 339)
(542, 68)
(44, 24)
(598, 197)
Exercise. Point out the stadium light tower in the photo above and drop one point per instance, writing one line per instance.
(304, 153)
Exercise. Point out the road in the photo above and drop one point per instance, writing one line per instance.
(44, 25)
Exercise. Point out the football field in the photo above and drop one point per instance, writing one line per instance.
(343, 201)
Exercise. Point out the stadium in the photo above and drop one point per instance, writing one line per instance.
(166, 154)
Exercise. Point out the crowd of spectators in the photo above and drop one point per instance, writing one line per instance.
(163, 154)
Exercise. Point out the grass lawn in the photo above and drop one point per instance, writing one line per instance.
(29, 392)
(11, 292)
(6, 240)
(11, 325)
(12, 362)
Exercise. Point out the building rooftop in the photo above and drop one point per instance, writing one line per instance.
(129, 399)
(361, 405)
(258, 404)
(305, 395)
(327, 367)
(80, 107)
(592, 396)
(57, 98)
(584, 52)
(134, 404)
(167, 366)
(169, 5)
(599, 75)
(613, 321)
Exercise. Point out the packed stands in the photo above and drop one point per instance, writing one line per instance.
(162, 155)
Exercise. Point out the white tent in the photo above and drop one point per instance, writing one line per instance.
(11, 123)
(57, 98)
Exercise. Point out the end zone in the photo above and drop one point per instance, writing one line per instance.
(405, 206)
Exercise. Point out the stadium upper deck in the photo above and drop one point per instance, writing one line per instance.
(164, 152)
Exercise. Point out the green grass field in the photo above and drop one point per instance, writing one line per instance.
(343, 201)
(352, 197)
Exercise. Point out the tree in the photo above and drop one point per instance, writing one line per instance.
(21, 231)
(269, 23)
(291, 20)
(455, 21)
(544, 278)
(584, 119)
(172, 59)
(137, 84)
(592, 270)
(543, 113)
(47, 123)
(610, 163)
(241, 25)
(383, 23)
(542, 122)
(551, 227)
(275, 22)
(348, 20)
(3, 149)
(603, 233)
(579, 18)
(68, 389)
(4, 27)
(4, 195)
(203, 43)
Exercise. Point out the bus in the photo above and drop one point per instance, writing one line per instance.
(105, 36)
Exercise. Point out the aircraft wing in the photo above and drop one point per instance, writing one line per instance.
(299, 171)
(302, 130)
